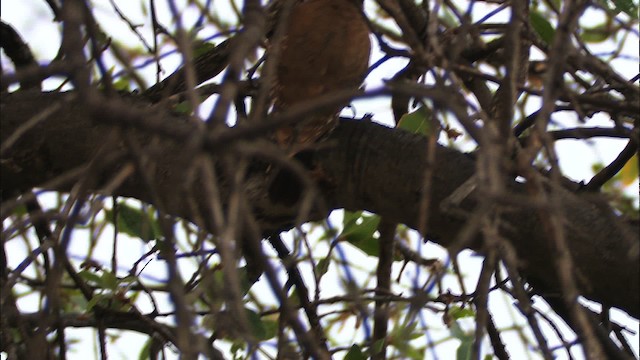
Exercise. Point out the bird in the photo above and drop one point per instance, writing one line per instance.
(325, 48)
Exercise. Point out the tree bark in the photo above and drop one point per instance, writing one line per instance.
(362, 166)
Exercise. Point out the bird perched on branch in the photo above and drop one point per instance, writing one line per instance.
(325, 48)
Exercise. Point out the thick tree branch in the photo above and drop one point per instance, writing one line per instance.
(362, 166)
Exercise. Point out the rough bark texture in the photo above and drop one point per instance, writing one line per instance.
(364, 166)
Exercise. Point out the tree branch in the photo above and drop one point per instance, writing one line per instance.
(363, 166)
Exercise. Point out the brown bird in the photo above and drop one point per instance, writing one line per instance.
(325, 48)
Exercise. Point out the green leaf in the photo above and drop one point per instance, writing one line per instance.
(628, 7)
(74, 301)
(202, 48)
(236, 349)
(414, 353)
(183, 108)
(457, 312)
(350, 217)
(466, 341)
(596, 34)
(255, 324)
(215, 287)
(629, 172)
(457, 332)
(98, 298)
(294, 298)
(323, 266)
(377, 346)
(136, 223)
(262, 330)
(146, 350)
(355, 353)
(449, 18)
(109, 280)
(20, 210)
(359, 229)
(557, 3)
(400, 338)
(542, 27)
(128, 280)
(122, 84)
(90, 276)
(270, 329)
(418, 122)
(464, 350)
